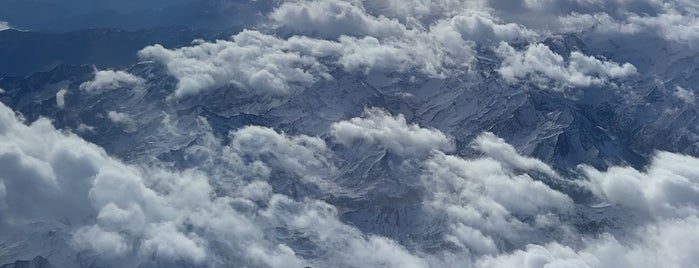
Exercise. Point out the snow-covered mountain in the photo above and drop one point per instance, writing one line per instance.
(368, 134)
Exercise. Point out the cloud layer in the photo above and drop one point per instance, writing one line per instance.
(233, 206)
(259, 197)
(305, 41)
(541, 65)
(106, 80)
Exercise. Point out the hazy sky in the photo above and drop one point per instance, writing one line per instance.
(52, 15)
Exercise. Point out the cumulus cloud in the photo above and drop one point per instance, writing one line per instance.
(140, 213)
(669, 187)
(265, 64)
(123, 120)
(61, 170)
(540, 64)
(301, 154)
(481, 200)
(256, 200)
(251, 61)
(231, 208)
(684, 95)
(109, 80)
(437, 38)
(670, 24)
(61, 98)
(333, 18)
(107, 243)
(483, 28)
(671, 243)
(498, 149)
(391, 133)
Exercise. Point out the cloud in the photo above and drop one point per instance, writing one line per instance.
(103, 242)
(61, 98)
(483, 204)
(4, 26)
(106, 80)
(267, 64)
(669, 187)
(684, 95)
(301, 154)
(496, 148)
(483, 28)
(141, 213)
(334, 18)
(391, 133)
(251, 61)
(366, 37)
(482, 200)
(74, 180)
(670, 23)
(235, 207)
(537, 256)
(167, 241)
(264, 198)
(671, 243)
(541, 65)
(122, 120)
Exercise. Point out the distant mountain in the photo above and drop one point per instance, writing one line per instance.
(23, 53)
(63, 16)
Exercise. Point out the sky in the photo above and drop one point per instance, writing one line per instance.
(63, 16)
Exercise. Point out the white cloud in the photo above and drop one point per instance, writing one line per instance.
(110, 80)
(107, 243)
(482, 199)
(169, 242)
(392, 133)
(306, 156)
(503, 152)
(670, 24)
(231, 207)
(267, 64)
(4, 26)
(537, 256)
(333, 18)
(670, 243)
(423, 10)
(538, 63)
(143, 213)
(123, 120)
(669, 187)
(483, 28)
(684, 95)
(61, 98)
(251, 61)
(83, 128)
(228, 211)
(436, 38)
